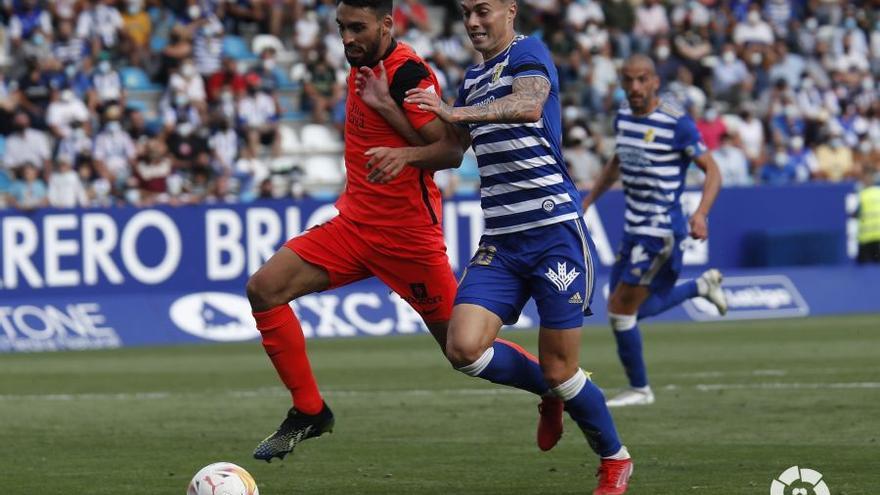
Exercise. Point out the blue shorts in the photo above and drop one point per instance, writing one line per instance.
(551, 264)
(650, 261)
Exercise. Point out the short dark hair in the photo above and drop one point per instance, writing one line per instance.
(382, 7)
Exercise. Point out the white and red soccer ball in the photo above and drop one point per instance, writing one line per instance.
(222, 478)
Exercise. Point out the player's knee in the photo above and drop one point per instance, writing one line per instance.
(462, 354)
(622, 322)
(261, 293)
(558, 372)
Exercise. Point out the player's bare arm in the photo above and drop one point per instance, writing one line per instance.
(698, 223)
(373, 90)
(525, 104)
(606, 179)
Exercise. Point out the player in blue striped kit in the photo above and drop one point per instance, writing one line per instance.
(656, 142)
(535, 244)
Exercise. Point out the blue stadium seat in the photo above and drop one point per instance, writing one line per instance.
(135, 79)
(237, 48)
(158, 43)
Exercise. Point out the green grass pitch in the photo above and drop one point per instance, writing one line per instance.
(737, 403)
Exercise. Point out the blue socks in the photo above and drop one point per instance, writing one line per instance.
(629, 348)
(658, 303)
(506, 363)
(586, 406)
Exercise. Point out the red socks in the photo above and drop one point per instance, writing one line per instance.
(286, 346)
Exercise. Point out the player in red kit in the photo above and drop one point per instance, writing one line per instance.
(387, 227)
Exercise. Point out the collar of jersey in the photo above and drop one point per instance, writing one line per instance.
(496, 58)
(387, 53)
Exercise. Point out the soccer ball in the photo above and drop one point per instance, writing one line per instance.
(222, 478)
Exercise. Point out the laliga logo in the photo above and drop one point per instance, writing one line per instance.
(214, 316)
(803, 481)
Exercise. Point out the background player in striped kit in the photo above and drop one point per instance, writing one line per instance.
(656, 142)
(535, 242)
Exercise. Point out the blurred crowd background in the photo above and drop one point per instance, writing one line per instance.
(110, 102)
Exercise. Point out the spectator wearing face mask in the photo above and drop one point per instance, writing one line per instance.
(187, 81)
(732, 163)
(65, 188)
(101, 24)
(268, 70)
(29, 24)
(730, 76)
(106, 87)
(584, 164)
(208, 46)
(803, 159)
(711, 127)
(755, 30)
(666, 62)
(26, 145)
(781, 171)
(135, 34)
(258, 114)
(114, 151)
(177, 109)
(228, 78)
(65, 109)
(652, 22)
(787, 122)
(75, 144)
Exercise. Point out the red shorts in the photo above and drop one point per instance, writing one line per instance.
(411, 261)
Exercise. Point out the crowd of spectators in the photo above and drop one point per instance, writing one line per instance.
(107, 102)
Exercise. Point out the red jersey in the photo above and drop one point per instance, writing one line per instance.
(411, 198)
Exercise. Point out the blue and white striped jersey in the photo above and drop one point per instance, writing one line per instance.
(655, 151)
(524, 182)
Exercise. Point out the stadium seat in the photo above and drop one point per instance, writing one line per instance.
(323, 170)
(236, 47)
(158, 43)
(290, 143)
(319, 138)
(135, 79)
(283, 164)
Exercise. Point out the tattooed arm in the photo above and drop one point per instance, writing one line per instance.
(524, 104)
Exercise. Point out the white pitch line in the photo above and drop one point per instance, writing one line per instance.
(703, 387)
(278, 392)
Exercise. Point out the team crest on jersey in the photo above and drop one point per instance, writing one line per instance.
(649, 136)
(562, 278)
(496, 73)
(638, 255)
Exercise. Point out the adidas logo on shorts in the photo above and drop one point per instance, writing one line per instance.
(576, 299)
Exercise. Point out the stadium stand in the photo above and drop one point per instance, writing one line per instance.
(790, 85)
